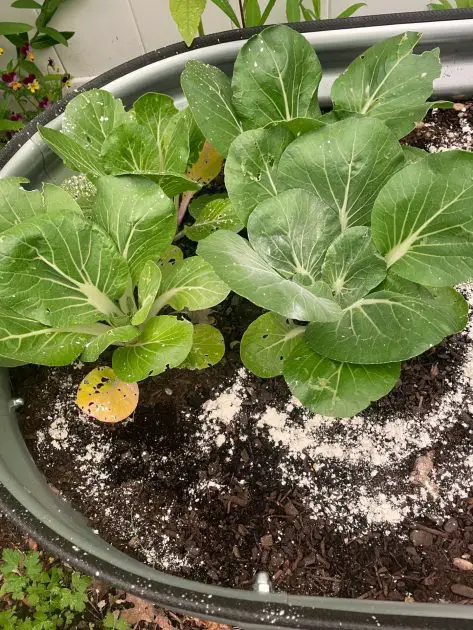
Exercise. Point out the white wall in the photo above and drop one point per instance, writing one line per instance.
(109, 32)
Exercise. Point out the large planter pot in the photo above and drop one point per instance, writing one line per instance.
(25, 495)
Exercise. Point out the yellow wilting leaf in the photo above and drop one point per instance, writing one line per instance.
(205, 170)
(105, 397)
(208, 166)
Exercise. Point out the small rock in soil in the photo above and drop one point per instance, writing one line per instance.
(462, 564)
(421, 539)
(266, 541)
(291, 509)
(462, 590)
(451, 525)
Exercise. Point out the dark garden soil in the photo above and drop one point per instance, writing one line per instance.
(214, 478)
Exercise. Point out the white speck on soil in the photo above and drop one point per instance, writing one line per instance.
(58, 429)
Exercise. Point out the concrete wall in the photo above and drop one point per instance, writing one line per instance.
(109, 32)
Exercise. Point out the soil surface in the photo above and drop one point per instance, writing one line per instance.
(220, 474)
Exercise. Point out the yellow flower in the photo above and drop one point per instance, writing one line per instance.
(68, 84)
(33, 87)
(16, 86)
(1, 51)
(30, 56)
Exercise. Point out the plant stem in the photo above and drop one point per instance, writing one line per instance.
(28, 100)
(201, 29)
(183, 205)
(18, 101)
(161, 302)
(295, 332)
(90, 329)
(242, 13)
(127, 301)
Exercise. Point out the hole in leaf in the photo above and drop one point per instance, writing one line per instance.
(105, 397)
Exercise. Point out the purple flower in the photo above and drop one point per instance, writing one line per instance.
(9, 78)
(29, 79)
(27, 53)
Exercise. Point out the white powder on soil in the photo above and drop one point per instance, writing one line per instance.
(226, 406)
(369, 453)
(356, 473)
(455, 138)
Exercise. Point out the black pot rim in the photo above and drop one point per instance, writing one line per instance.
(261, 611)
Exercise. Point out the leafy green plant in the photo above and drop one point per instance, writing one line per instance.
(296, 10)
(154, 139)
(43, 598)
(188, 13)
(354, 244)
(275, 83)
(112, 622)
(24, 86)
(72, 285)
(80, 277)
(443, 5)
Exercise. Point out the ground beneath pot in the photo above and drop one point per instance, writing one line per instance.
(220, 474)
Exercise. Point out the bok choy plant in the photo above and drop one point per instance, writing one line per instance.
(353, 243)
(76, 279)
(72, 285)
(276, 79)
(153, 139)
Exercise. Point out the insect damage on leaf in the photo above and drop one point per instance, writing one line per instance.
(105, 397)
(208, 165)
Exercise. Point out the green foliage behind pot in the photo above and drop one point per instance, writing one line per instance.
(24, 87)
(188, 13)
